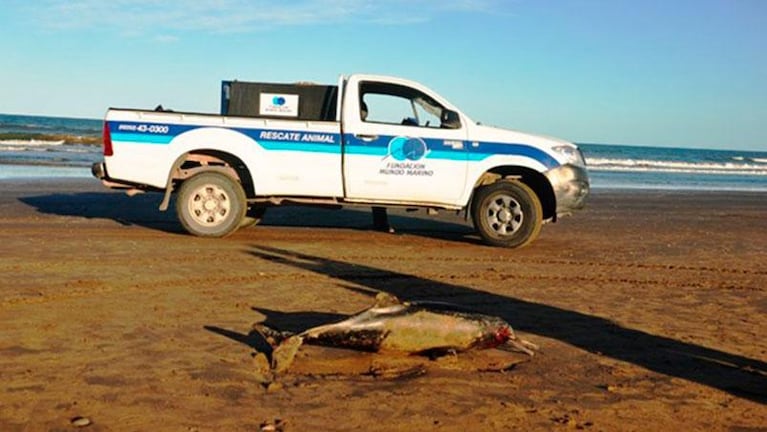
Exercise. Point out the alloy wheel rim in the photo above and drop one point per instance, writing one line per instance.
(504, 215)
(209, 205)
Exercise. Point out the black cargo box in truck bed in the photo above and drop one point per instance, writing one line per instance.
(314, 102)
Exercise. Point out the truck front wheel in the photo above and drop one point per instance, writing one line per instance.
(507, 213)
(211, 204)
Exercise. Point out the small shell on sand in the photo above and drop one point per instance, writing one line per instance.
(80, 421)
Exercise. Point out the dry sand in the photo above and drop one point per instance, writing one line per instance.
(649, 308)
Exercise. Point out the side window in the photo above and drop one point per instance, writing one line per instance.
(383, 108)
(400, 105)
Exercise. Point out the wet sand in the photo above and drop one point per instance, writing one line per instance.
(649, 308)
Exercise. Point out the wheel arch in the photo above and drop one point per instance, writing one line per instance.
(535, 180)
(196, 161)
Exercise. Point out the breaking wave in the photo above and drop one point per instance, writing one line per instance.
(38, 139)
(744, 166)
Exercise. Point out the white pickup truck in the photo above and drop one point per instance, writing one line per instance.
(369, 140)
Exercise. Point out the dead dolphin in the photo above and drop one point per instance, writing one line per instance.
(425, 328)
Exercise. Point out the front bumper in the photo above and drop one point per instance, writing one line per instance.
(571, 187)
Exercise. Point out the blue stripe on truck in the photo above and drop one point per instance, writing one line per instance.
(485, 150)
(438, 150)
(141, 138)
(321, 142)
(299, 146)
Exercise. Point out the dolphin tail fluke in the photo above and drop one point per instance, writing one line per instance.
(285, 353)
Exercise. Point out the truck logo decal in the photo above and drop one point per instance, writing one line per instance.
(280, 105)
(406, 151)
(403, 148)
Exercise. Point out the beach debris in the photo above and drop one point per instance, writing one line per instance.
(276, 425)
(389, 371)
(79, 421)
(570, 420)
(430, 329)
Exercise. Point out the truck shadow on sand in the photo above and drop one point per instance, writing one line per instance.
(142, 210)
(731, 373)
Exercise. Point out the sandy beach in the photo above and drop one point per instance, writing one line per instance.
(649, 308)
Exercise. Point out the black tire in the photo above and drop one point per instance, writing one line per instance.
(507, 213)
(253, 216)
(211, 204)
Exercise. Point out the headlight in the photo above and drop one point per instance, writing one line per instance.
(571, 154)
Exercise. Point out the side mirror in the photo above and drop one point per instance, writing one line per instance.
(450, 119)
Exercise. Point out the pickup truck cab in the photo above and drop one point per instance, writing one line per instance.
(369, 140)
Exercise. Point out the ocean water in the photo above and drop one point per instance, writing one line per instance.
(645, 167)
(33, 146)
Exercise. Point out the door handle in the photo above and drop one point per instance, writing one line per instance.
(366, 138)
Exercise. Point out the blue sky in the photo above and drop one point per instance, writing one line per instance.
(682, 73)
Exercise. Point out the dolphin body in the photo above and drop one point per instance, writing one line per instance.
(421, 328)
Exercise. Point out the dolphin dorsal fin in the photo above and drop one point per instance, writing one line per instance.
(385, 299)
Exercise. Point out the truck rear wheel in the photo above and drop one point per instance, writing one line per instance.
(211, 204)
(507, 213)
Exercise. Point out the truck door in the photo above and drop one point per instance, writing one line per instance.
(401, 143)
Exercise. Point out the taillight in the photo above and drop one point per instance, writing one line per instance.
(107, 141)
